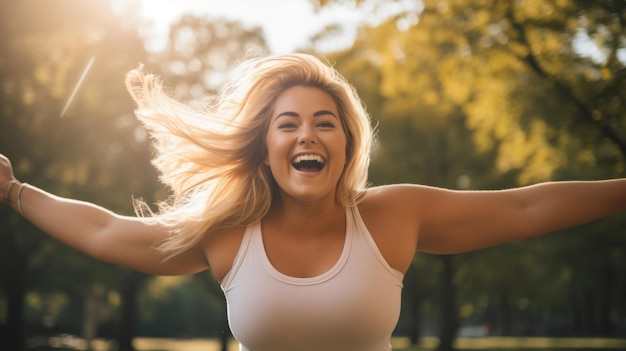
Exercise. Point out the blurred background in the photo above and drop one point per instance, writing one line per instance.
(467, 94)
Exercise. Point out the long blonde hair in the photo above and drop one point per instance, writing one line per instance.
(212, 158)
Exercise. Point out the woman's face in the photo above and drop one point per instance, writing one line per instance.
(306, 144)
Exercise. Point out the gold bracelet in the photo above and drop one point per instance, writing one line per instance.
(7, 193)
(19, 199)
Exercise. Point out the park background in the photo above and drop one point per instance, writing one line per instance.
(466, 94)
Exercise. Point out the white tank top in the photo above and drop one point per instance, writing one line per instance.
(353, 306)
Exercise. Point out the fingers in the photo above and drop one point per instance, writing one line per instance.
(6, 176)
(6, 170)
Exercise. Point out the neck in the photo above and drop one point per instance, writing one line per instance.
(303, 217)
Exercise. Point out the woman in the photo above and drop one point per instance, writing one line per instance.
(269, 192)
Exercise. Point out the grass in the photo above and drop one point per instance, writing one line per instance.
(523, 343)
(399, 344)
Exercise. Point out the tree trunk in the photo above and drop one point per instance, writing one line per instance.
(226, 333)
(506, 318)
(606, 301)
(412, 298)
(415, 333)
(13, 335)
(449, 313)
(225, 337)
(129, 290)
(577, 314)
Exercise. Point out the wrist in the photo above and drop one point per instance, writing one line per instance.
(11, 192)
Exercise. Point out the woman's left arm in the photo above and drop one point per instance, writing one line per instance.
(458, 221)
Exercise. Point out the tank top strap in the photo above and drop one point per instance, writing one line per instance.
(241, 254)
(364, 235)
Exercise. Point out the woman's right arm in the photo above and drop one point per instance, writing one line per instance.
(122, 240)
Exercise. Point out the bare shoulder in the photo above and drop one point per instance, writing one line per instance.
(221, 247)
(400, 204)
(398, 196)
(391, 215)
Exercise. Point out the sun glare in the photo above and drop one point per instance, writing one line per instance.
(298, 20)
(164, 12)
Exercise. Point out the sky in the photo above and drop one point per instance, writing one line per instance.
(286, 24)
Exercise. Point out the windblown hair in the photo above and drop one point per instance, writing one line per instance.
(213, 158)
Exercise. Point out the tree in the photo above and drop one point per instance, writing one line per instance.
(430, 147)
(96, 147)
(201, 53)
(519, 77)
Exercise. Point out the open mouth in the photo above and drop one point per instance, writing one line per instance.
(308, 163)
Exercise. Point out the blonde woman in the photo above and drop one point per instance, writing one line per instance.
(269, 192)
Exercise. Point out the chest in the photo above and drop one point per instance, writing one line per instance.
(319, 316)
(301, 255)
(352, 306)
(306, 258)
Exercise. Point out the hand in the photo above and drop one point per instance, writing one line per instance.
(6, 175)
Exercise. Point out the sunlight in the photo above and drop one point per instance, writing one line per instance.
(182, 344)
(163, 11)
(298, 21)
(585, 46)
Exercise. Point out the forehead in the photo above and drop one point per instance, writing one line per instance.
(304, 99)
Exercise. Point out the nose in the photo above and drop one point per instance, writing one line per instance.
(307, 136)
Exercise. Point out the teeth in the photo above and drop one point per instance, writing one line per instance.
(302, 158)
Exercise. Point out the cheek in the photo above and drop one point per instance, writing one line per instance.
(273, 149)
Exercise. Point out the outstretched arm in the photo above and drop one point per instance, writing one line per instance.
(96, 231)
(463, 221)
(449, 221)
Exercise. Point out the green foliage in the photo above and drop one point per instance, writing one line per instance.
(183, 308)
(96, 152)
(467, 94)
(503, 94)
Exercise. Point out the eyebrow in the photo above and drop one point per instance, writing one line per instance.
(316, 114)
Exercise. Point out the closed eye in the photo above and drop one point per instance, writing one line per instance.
(326, 125)
(287, 125)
